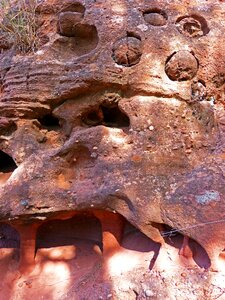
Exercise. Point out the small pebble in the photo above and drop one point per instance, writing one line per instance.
(188, 151)
(151, 128)
(149, 293)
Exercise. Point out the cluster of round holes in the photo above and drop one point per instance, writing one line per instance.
(127, 51)
(181, 66)
(190, 25)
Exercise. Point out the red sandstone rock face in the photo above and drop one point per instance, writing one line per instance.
(122, 110)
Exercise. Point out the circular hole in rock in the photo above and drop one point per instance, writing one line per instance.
(192, 26)
(49, 122)
(181, 66)
(155, 17)
(84, 39)
(127, 51)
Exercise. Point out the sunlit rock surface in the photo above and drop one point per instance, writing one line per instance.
(112, 148)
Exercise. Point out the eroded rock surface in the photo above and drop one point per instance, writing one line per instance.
(118, 119)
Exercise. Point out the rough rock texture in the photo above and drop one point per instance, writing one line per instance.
(118, 117)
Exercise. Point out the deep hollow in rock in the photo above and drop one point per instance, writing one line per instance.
(7, 166)
(9, 237)
(50, 122)
(56, 233)
(110, 116)
(9, 251)
(113, 117)
(79, 39)
(188, 247)
(77, 242)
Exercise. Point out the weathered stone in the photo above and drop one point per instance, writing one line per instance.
(192, 26)
(127, 51)
(117, 120)
(67, 22)
(181, 66)
(155, 18)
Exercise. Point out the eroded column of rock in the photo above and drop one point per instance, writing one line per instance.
(27, 233)
(112, 231)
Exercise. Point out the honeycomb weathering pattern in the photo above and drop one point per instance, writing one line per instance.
(160, 64)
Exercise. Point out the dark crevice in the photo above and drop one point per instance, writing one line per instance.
(175, 238)
(113, 117)
(9, 237)
(56, 233)
(109, 116)
(50, 122)
(7, 164)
